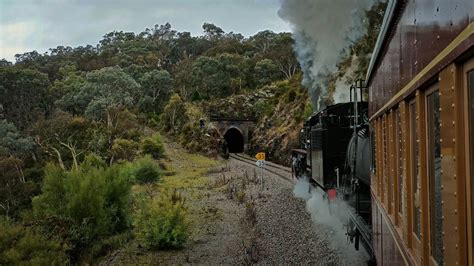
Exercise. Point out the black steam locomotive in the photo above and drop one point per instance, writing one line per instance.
(335, 156)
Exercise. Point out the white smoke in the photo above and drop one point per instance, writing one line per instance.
(330, 219)
(302, 189)
(333, 217)
(322, 29)
(342, 93)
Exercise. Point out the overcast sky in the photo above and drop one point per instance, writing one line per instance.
(27, 25)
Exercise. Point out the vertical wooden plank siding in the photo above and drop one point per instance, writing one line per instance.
(467, 241)
(373, 176)
(385, 185)
(377, 155)
(396, 165)
(381, 162)
(421, 140)
(461, 162)
(381, 176)
(409, 171)
(453, 168)
(406, 217)
(448, 165)
(379, 165)
(390, 171)
(382, 166)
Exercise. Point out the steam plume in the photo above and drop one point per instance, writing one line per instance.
(330, 219)
(322, 29)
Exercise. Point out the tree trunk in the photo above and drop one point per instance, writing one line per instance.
(74, 153)
(74, 159)
(109, 119)
(20, 173)
(172, 119)
(60, 160)
(184, 93)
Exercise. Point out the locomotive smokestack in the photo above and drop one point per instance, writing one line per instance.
(322, 29)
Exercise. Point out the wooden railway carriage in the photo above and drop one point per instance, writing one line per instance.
(421, 108)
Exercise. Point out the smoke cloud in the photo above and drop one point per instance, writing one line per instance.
(322, 29)
(342, 94)
(302, 189)
(330, 219)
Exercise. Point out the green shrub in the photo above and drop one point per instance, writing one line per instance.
(93, 160)
(147, 172)
(264, 108)
(124, 149)
(162, 223)
(153, 146)
(143, 170)
(83, 206)
(22, 245)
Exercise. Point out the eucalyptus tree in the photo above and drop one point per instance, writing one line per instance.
(156, 87)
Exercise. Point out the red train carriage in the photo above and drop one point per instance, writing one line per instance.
(421, 105)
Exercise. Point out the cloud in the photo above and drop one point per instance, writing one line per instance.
(14, 38)
(16, 30)
(45, 24)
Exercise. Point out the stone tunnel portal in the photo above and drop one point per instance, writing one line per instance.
(235, 140)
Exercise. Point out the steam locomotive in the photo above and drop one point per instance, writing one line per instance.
(334, 156)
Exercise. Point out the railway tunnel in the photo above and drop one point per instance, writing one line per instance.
(235, 140)
(236, 131)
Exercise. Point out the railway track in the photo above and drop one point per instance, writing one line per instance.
(269, 167)
(277, 166)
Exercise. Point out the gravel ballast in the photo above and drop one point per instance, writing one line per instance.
(285, 231)
(235, 221)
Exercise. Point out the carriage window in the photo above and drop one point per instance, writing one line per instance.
(415, 171)
(470, 89)
(434, 164)
(400, 154)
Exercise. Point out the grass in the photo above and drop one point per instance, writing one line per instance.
(190, 171)
(184, 171)
(188, 174)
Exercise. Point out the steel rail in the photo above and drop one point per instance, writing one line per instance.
(280, 167)
(252, 162)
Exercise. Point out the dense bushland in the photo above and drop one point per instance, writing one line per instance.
(78, 135)
(78, 130)
(83, 206)
(23, 245)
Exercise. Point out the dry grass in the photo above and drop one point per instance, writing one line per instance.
(186, 177)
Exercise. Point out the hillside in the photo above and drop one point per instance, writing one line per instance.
(86, 124)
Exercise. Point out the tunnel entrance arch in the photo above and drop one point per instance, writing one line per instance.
(235, 140)
(244, 125)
